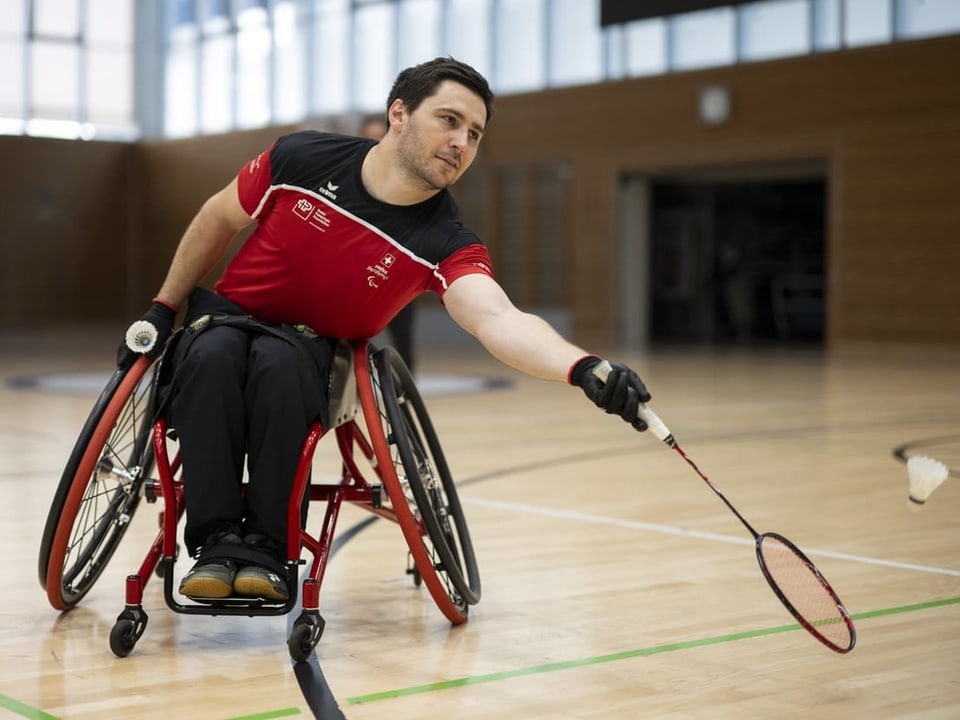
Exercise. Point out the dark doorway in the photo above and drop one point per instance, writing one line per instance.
(738, 261)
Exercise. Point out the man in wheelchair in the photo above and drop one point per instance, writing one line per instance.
(346, 232)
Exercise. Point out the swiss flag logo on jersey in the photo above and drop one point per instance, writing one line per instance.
(387, 260)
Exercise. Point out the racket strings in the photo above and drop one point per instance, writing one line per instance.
(804, 590)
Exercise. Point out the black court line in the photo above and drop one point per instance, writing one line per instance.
(316, 691)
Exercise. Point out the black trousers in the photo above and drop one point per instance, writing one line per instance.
(239, 393)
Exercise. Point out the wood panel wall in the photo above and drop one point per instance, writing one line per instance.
(885, 121)
(66, 231)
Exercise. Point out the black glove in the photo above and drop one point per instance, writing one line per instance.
(621, 393)
(161, 316)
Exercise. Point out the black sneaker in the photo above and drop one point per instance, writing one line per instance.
(266, 580)
(211, 577)
(256, 582)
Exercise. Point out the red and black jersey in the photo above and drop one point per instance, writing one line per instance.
(328, 254)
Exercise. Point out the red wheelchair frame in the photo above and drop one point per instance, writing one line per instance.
(382, 429)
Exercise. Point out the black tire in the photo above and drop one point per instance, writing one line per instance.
(123, 637)
(300, 642)
(304, 635)
(422, 468)
(99, 490)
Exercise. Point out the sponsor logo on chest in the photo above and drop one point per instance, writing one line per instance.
(312, 213)
(329, 190)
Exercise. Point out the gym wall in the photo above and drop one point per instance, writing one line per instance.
(88, 229)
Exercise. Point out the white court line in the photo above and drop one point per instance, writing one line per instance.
(672, 530)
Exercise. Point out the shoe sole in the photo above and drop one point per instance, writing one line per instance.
(206, 587)
(253, 587)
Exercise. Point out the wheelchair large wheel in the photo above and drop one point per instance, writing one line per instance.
(99, 489)
(423, 492)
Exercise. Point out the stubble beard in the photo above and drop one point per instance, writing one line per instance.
(410, 155)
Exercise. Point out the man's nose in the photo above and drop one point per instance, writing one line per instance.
(458, 138)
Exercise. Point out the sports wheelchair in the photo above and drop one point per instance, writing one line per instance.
(392, 466)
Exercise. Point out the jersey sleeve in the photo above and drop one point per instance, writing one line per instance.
(253, 182)
(465, 261)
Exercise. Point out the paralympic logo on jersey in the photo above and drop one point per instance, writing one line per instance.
(381, 270)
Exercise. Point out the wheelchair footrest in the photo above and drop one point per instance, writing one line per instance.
(238, 602)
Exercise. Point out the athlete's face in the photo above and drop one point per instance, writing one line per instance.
(438, 141)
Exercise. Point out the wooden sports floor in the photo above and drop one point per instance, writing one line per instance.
(615, 584)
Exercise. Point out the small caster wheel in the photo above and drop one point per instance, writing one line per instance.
(304, 636)
(123, 637)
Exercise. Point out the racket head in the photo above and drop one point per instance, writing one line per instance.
(804, 591)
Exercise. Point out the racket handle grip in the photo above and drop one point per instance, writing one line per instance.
(653, 421)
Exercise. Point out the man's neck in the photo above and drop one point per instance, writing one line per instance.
(386, 182)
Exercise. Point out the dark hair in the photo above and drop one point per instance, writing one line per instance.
(419, 82)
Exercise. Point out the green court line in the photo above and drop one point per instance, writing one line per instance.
(32, 713)
(626, 655)
(18, 708)
(286, 712)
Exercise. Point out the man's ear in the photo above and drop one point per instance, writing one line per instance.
(397, 114)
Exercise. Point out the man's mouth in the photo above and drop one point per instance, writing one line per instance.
(451, 161)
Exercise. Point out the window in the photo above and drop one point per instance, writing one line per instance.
(253, 82)
(922, 18)
(467, 33)
(181, 90)
(520, 40)
(85, 68)
(373, 55)
(646, 42)
(108, 79)
(291, 47)
(419, 33)
(216, 83)
(774, 29)
(826, 24)
(332, 70)
(575, 42)
(702, 39)
(867, 22)
(54, 94)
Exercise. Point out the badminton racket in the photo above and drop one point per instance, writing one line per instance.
(792, 576)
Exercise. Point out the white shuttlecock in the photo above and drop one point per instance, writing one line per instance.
(141, 336)
(926, 474)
